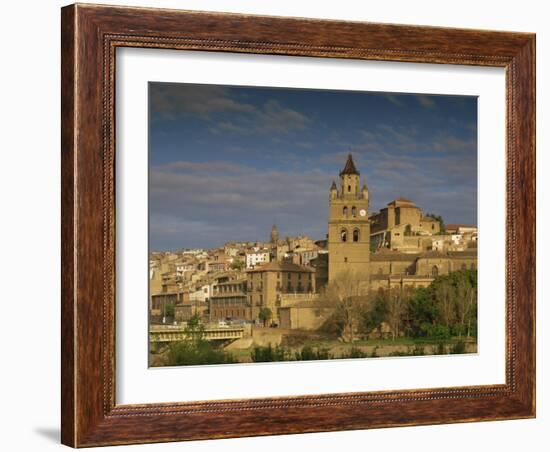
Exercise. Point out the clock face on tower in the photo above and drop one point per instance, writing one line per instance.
(362, 212)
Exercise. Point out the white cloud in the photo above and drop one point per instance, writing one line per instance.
(425, 101)
(208, 102)
(202, 100)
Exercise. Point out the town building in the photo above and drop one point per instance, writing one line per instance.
(402, 226)
(229, 300)
(460, 229)
(257, 257)
(391, 268)
(266, 284)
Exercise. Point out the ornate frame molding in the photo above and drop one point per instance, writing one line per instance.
(90, 37)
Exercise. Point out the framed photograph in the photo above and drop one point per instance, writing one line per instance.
(282, 225)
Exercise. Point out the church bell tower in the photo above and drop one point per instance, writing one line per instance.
(348, 225)
(274, 236)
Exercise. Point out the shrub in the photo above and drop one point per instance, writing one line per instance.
(418, 350)
(436, 331)
(308, 353)
(354, 352)
(458, 348)
(398, 353)
(261, 354)
(197, 353)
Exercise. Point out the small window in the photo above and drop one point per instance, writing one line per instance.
(345, 211)
(356, 235)
(435, 271)
(344, 235)
(345, 259)
(353, 211)
(349, 188)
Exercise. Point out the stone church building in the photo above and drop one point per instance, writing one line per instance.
(355, 239)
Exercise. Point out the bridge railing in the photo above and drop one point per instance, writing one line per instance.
(171, 333)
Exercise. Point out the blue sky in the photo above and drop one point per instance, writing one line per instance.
(225, 163)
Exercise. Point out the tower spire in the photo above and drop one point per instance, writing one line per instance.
(274, 237)
(349, 168)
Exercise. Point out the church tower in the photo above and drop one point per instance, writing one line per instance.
(274, 237)
(348, 225)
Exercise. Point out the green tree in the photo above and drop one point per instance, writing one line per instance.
(378, 312)
(194, 330)
(455, 296)
(444, 297)
(397, 301)
(195, 350)
(438, 218)
(347, 294)
(265, 315)
(423, 311)
(237, 264)
(169, 310)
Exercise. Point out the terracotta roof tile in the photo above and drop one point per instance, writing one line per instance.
(282, 266)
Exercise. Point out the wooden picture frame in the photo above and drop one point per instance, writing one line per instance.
(90, 36)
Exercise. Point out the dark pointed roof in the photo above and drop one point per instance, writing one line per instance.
(350, 166)
(333, 186)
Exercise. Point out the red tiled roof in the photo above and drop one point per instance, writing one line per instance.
(456, 226)
(402, 202)
(278, 266)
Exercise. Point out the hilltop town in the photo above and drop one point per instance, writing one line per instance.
(281, 282)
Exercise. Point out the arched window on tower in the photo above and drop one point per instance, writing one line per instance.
(344, 235)
(345, 211)
(435, 271)
(349, 188)
(356, 235)
(353, 211)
